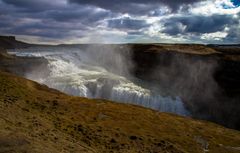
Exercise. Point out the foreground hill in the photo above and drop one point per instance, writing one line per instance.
(35, 118)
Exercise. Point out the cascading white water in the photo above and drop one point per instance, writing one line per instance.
(97, 73)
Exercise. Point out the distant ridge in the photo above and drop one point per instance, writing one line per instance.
(10, 42)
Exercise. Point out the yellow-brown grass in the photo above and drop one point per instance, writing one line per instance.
(35, 118)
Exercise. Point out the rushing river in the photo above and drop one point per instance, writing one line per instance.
(99, 73)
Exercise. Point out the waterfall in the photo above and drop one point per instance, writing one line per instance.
(95, 73)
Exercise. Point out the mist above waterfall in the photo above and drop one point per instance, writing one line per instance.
(100, 71)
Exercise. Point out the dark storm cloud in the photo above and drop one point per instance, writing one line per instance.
(32, 5)
(41, 27)
(5, 21)
(85, 15)
(173, 28)
(134, 33)
(5, 24)
(127, 23)
(44, 19)
(36, 29)
(233, 35)
(61, 12)
(198, 24)
(134, 6)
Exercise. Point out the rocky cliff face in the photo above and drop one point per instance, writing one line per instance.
(206, 78)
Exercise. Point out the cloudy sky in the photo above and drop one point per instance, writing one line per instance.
(121, 21)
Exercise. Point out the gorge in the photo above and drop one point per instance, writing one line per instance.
(190, 80)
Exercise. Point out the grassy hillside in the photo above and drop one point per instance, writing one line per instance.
(34, 118)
